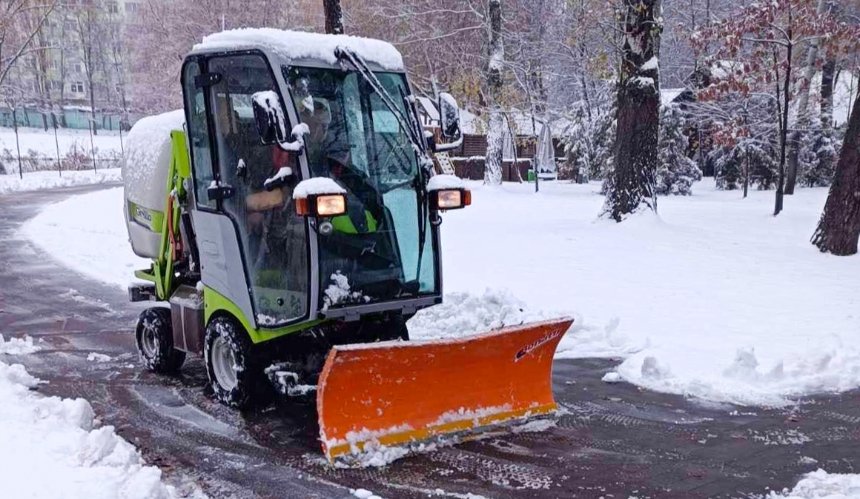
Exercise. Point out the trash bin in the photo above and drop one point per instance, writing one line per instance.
(531, 175)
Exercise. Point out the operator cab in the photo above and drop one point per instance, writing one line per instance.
(267, 110)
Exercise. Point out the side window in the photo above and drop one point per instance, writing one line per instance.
(198, 136)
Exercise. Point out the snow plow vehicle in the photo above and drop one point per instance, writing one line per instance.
(291, 213)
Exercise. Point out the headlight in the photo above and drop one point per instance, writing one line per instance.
(321, 205)
(330, 205)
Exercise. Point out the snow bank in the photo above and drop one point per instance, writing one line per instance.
(87, 233)
(17, 346)
(823, 485)
(52, 448)
(301, 45)
(35, 181)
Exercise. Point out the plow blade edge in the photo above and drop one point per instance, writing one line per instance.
(405, 392)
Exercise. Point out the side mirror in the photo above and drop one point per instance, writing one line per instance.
(269, 117)
(449, 116)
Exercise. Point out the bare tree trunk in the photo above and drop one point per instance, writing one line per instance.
(632, 181)
(839, 227)
(333, 17)
(828, 74)
(495, 133)
(783, 132)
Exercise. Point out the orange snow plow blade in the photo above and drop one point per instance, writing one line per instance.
(388, 394)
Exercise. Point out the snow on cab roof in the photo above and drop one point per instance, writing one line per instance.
(303, 45)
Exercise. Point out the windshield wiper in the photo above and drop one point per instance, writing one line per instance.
(365, 72)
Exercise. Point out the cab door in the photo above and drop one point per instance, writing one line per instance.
(272, 237)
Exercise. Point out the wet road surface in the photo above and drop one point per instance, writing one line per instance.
(611, 440)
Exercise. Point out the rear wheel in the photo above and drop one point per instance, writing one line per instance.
(236, 379)
(154, 338)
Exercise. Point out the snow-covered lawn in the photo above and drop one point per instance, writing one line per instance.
(34, 181)
(53, 447)
(37, 139)
(713, 298)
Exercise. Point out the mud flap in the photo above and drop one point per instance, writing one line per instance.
(397, 393)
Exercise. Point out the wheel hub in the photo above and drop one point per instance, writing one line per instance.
(224, 364)
(149, 341)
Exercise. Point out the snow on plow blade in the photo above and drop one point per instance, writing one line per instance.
(399, 393)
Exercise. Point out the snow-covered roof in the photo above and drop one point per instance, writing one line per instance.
(294, 45)
(429, 108)
(521, 121)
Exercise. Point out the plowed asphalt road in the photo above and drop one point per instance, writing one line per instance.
(611, 440)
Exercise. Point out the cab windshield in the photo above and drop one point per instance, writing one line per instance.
(382, 248)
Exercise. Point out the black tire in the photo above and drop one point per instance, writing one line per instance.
(247, 386)
(154, 339)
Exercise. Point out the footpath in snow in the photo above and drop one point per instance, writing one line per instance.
(36, 181)
(53, 447)
(714, 298)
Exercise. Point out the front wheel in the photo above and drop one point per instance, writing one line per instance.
(154, 338)
(233, 375)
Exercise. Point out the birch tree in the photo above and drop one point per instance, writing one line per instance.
(495, 82)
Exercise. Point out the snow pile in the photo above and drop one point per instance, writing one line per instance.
(98, 357)
(17, 346)
(301, 45)
(36, 181)
(88, 234)
(363, 494)
(282, 173)
(822, 485)
(148, 153)
(465, 314)
(52, 449)
(440, 182)
(339, 291)
(316, 186)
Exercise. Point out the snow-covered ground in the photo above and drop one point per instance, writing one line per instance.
(87, 233)
(714, 298)
(34, 181)
(54, 447)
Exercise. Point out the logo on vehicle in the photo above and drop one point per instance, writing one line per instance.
(537, 344)
(141, 213)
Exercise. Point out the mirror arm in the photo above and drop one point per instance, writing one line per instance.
(449, 145)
